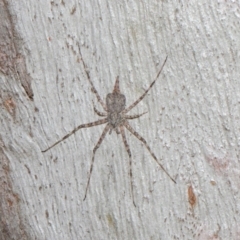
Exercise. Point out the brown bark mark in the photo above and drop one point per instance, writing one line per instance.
(9, 104)
(11, 226)
(191, 196)
(12, 62)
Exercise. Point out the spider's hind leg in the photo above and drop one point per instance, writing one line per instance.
(145, 93)
(94, 90)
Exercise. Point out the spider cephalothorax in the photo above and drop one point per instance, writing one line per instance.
(116, 118)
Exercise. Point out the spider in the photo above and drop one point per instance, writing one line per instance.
(116, 118)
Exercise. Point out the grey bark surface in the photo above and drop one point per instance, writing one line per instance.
(192, 124)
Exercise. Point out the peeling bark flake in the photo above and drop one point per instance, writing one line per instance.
(12, 62)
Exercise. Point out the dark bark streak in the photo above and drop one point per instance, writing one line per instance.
(12, 62)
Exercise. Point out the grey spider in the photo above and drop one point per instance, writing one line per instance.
(116, 118)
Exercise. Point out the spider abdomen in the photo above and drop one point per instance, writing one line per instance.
(115, 102)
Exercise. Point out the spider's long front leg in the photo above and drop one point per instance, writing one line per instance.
(89, 79)
(99, 122)
(148, 148)
(130, 158)
(144, 94)
(94, 151)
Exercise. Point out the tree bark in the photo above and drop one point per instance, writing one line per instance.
(191, 124)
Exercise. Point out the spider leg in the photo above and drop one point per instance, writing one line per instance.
(148, 148)
(134, 116)
(98, 122)
(130, 158)
(101, 114)
(144, 94)
(117, 130)
(94, 151)
(89, 79)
